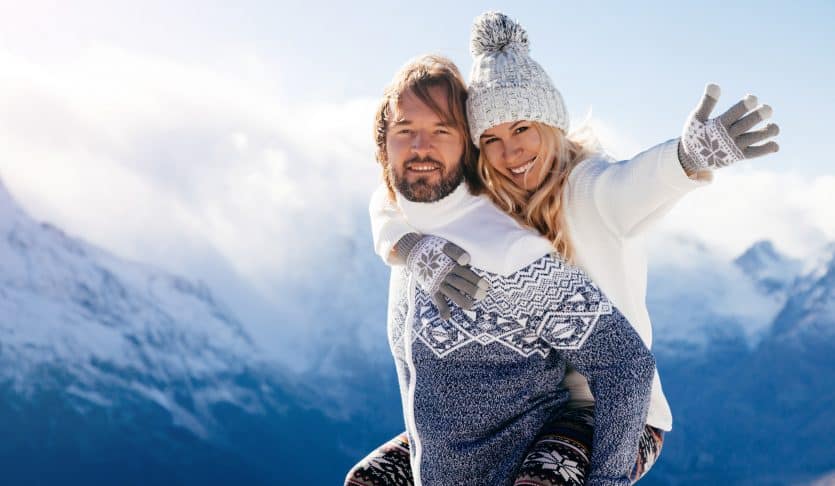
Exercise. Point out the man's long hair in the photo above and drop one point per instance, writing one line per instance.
(542, 208)
(418, 76)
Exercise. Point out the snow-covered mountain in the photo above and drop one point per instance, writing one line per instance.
(696, 297)
(112, 324)
(772, 271)
(808, 318)
(745, 409)
(116, 372)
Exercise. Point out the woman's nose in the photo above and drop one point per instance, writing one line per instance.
(511, 150)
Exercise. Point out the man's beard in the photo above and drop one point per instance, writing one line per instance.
(420, 190)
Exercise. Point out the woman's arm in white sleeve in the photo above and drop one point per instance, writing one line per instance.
(632, 194)
(388, 225)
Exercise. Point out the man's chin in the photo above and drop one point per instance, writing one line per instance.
(421, 192)
(425, 189)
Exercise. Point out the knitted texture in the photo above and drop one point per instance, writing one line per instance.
(478, 387)
(708, 145)
(405, 245)
(506, 84)
(429, 263)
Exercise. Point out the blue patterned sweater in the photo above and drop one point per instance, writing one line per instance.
(477, 388)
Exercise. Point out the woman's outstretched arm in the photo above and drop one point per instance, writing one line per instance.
(630, 195)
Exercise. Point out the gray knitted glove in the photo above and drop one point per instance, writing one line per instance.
(442, 271)
(718, 142)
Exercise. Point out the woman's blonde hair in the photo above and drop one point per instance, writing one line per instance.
(541, 208)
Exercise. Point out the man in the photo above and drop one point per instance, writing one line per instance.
(479, 380)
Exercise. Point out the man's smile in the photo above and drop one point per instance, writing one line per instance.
(423, 167)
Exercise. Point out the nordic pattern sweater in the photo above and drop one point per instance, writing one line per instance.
(477, 388)
(609, 207)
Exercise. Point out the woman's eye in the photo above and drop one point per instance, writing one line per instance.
(488, 141)
(520, 129)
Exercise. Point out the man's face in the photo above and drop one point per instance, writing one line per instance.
(423, 151)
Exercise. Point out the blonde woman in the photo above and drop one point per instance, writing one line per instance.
(593, 212)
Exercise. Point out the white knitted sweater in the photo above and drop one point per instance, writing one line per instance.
(609, 206)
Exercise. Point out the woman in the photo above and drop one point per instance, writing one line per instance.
(593, 212)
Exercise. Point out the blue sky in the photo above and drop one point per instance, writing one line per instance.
(233, 144)
(640, 65)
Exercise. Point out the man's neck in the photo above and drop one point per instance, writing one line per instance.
(428, 215)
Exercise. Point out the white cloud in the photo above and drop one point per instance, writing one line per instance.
(210, 174)
(154, 158)
(745, 204)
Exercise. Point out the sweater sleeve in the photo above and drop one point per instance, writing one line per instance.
(388, 224)
(620, 370)
(632, 194)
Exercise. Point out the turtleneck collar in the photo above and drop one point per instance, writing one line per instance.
(426, 216)
(494, 240)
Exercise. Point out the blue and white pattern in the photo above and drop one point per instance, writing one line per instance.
(518, 312)
(477, 388)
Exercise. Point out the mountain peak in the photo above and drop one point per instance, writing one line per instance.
(9, 209)
(761, 252)
(772, 270)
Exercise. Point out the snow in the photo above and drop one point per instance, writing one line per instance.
(763, 263)
(9, 210)
(180, 416)
(694, 295)
(90, 396)
(112, 325)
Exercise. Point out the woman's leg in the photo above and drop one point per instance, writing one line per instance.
(560, 453)
(388, 465)
(649, 448)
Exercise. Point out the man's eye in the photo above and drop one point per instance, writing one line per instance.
(441, 131)
(404, 131)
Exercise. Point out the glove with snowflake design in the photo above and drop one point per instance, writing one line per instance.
(441, 270)
(718, 142)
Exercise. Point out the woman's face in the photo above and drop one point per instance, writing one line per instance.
(511, 149)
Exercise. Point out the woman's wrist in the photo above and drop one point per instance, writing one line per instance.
(401, 250)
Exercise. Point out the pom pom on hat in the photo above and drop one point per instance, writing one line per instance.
(495, 31)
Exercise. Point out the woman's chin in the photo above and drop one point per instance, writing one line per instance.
(526, 180)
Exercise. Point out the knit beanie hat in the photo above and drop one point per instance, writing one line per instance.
(505, 83)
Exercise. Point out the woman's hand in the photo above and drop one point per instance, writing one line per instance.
(718, 142)
(441, 270)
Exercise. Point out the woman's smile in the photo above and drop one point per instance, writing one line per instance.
(523, 168)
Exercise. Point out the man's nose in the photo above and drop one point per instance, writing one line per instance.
(421, 144)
